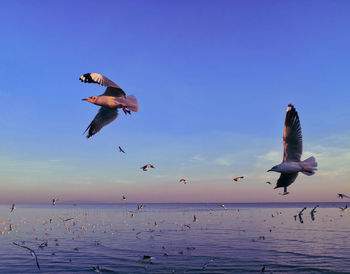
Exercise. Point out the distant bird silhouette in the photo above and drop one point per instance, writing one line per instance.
(195, 219)
(139, 207)
(238, 178)
(223, 206)
(146, 167)
(183, 181)
(54, 201)
(293, 149)
(313, 211)
(300, 214)
(121, 150)
(268, 183)
(65, 220)
(147, 259)
(124, 198)
(13, 208)
(340, 195)
(110, 101)
(344, 209)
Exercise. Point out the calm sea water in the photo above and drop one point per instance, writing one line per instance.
(241, 239)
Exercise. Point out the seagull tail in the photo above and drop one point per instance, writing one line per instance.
(131, 103)
(309, 166)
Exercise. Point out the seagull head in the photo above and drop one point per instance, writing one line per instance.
(91, 99)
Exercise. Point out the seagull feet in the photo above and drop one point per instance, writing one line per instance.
(126, 111)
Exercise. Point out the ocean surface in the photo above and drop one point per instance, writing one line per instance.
(114, 238)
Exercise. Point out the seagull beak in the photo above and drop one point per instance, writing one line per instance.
(85, 99)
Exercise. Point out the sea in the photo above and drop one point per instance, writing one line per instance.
(175, 238)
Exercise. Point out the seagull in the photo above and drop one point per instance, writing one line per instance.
(313, 211)
(123, 198)
(121, 150)
(139, 207)
(110, 101)
(54, 201)
(293, 148)
(344, 209)
(300, 214)
(146, 167)
(195, 219)
(183, 180)
(268, 183)
(340, 195)
(223, 206)
(13, 207)
(31, 253)
(97, 269)
(65, 220)
(238, 178)
(204, 267)
(147, 259)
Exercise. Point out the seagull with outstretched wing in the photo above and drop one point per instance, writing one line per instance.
(13, 207)
(293, 149)
(341, 195)
(146, 167)
(110, 101)
(32, 252)
(183, 180)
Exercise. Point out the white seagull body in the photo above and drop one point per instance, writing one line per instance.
(293, 149)
(110, 101)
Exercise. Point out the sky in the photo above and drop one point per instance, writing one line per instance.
(213, 80)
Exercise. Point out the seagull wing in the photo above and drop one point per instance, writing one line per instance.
(104, 117)
(32, 252)
(115, 92)
(286, 179)
(292, 137)
(98, 79)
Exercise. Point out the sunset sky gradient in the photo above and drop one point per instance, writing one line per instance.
(213, 80)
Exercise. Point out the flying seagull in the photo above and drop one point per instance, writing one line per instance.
(313, 211)
(238, 178)
(13, 207)
(340, 195)
(65, 220)
(121, 150)
(293, 148)
(224, 207)
(183, 180)
(110, 101)
(146, 167)
(268, 183)
(300, 215)
(31, 253)
(344, 209)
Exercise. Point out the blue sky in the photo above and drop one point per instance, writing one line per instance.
(213, 80)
